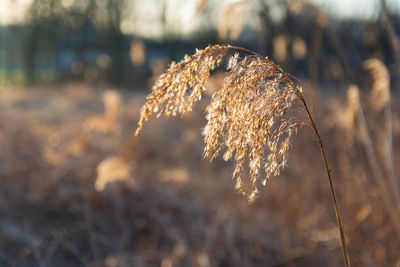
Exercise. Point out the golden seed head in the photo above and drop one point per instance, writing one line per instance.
(252, 118)
(380, 89)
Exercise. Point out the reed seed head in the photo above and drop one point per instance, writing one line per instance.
(380, 89)
(111, 170)
(352, 109)
(251, 119)
(182, 85)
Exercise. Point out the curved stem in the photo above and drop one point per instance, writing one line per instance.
(328, 172)
(333, 192)
(319, 139)
(245, 50)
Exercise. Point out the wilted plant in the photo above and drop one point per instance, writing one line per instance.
(252, 118)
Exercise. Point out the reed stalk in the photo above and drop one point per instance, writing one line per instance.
(253, 117)
(330, 180)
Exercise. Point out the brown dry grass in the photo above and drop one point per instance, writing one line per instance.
(52, 214)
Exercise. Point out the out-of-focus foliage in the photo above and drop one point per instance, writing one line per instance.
(65, 14)
(73, 195)
(53, 22)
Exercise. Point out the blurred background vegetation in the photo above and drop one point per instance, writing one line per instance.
(120, 42)
(78, 189)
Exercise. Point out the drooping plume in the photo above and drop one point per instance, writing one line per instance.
(251, 119)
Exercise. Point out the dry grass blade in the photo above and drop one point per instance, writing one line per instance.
(253, 117)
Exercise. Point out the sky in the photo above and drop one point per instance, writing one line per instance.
(365, 9)
(180, 13)
(12, 11)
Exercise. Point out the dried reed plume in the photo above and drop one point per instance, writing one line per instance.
(111, 170)
(351, 113)
(252, 117)
(380, 89)
(379, 101)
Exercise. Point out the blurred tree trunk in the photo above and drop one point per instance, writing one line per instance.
(116, 40)
(30, 50)
(265, 29)
(118, 58)
(316, 43)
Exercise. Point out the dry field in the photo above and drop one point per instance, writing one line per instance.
(79, 189)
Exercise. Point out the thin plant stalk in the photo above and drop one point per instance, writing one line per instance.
(328, 172)
(249, 124)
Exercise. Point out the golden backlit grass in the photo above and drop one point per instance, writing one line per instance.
(250, 117)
